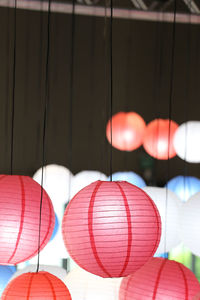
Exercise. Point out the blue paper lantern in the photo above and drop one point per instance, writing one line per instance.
(6, 272)
(55, 228)
(130, 177)
(184, 186)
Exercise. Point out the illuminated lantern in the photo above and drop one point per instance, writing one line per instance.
(184, 186)
(56, 271)
(127, 131)
(19, 218)
(84, 178)
(158, 139)
(129, 177)
(36, 286)
(86, 286)
(6, 272)
(167, 205)
(190, 224)
(160, 279)
(187, 141)
(111, 228)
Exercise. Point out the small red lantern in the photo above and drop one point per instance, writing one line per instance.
(127, 131)
(111, 228)
(158, 138)
(19, 218)
(159, 279)
(36, 286)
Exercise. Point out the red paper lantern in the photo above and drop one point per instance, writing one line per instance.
(157, 140)
(160, 279)
(111, 228)
(36, 286)
(127, 131)
(19, 218)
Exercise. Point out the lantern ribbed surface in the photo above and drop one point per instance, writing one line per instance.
(111, 228)
(19, 218)
(158, 138)
(127, 131)
(36, 286)
(160, 279)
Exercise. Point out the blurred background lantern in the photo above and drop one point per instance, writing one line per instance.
(86, 286)
(130, 177)
(158, 138)
(40, 286)
(160, 279)
(55, 230)
(190, 224)
(187, 141)
(127, 131)
(111, 228)
(6, 272)
(19, 218)
(167, 204)
(184, 186)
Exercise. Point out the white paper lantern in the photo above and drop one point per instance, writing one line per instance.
(187, 141)
(168, 206)
(84, 178)
(86, 286)
(190, 224)
(57, 271)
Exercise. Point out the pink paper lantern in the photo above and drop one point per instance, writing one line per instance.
(111, 228)
(19, 218)
(157, 140)
(36, 286)
(127, 131)
(160, 279)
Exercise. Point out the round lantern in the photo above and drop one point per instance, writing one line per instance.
(6, 272)
(56, 271)
(83, 178)
(187, 141)
(167, 205)
(55, 230)
(158, 139)
(19, 218)
(36, 286)
(129, 177)
(111, 228)
(160, 279)
(127, 131)
(190, 224)
(86, 286)
(184, 186)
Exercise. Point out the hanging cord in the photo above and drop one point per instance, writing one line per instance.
(46, 97)
(111, 84)
(13, 89)
(171, 94)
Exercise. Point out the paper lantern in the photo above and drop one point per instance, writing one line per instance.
(167, 205)
(19, 218)
(55, 230)
(55, 270)
(111, 228)
(86, 286)
(158, 139)
(84, 178)
(129, 177)
(127, 131)
(36, 286)
(6, 272)
(160, 279)
(190, 224)
(184, 186)
(187, 141)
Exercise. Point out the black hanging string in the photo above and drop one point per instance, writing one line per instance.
(13, 89)
(171, 95)
(46, 97)
(111, 84)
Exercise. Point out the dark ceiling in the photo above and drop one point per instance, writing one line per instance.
(141, 82)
